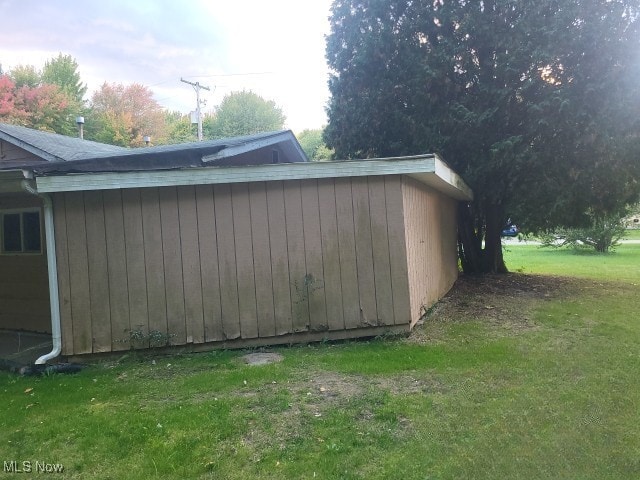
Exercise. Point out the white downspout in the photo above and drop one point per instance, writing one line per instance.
(52, 268)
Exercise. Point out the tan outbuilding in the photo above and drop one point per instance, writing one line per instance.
(231, 242)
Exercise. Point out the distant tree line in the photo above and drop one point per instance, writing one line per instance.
(51, 98)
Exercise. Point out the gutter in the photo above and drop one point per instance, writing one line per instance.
(52, 268)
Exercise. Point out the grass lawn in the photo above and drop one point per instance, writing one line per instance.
(623, 264)
(632, 234)
(523, 376)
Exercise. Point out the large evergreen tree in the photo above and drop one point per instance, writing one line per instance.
(534, 102)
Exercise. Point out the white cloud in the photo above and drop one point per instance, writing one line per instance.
(275, 49)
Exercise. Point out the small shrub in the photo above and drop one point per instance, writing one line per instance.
(602, 235)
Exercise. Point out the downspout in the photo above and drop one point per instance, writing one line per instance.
(52, 268)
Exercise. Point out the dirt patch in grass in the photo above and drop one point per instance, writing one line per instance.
(332, 387)
(503, 301)
(318, 398)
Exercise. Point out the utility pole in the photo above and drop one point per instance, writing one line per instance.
(196, 86)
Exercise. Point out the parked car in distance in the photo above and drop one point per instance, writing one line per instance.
(510, 230)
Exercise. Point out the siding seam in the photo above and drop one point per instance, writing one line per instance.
(253, 262)
(68, 270)
(335, 204)
(273, 294)
(355, 251)
(196, 202)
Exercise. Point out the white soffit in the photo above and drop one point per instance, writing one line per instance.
(428, 169)
(11, 180)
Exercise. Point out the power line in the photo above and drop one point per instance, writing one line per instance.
(233, 74)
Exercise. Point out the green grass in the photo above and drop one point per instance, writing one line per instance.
(537, 382)
(632, 234)
(623, 264)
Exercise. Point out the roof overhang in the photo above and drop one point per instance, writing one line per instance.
(11, 181)
(428, 169)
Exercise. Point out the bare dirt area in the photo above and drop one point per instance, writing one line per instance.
(504, 301)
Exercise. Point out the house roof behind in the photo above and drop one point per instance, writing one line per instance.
(53, 147)
(74, 155)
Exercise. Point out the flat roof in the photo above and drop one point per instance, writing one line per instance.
(429, 169)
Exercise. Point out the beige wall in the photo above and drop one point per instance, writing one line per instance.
(430, 220)
(243, 261)
(24, 285)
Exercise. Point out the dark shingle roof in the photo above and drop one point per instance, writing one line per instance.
(53, 147)
(69, 154)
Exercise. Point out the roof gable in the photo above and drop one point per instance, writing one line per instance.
(53, 147)
(12, 156)
(61, 154)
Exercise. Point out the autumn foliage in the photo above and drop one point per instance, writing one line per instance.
(44, 107)
(51, 98)
(124, 115)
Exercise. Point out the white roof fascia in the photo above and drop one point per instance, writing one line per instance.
(428, 169)
(446, 180)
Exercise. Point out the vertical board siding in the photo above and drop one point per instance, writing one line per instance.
(449, 241)
(279, 259)
(154, 263)
(135, 258)
(81, 314)
(364, 252)
(430, 243)
(98, 271)
(314, 283)
(347, 248)
(173, 280)
(419, 235)
(210, 277)
(62, 261)
(244, 260)
(380, 251)
(397, 250)
(192, 276)
(296, 255)
(117, 269)
(261, 246)
(230, 313)
(330, 254)
(214, 263)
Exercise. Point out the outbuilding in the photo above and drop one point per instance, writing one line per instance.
(232, 242)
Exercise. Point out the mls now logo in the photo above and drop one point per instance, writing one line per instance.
(14, 466)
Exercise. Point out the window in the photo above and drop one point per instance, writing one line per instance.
(20, 232)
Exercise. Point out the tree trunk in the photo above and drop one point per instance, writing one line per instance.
(469, 249)
(493, 259)
(471, 232)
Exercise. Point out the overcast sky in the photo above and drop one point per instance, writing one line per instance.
(274, 48)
